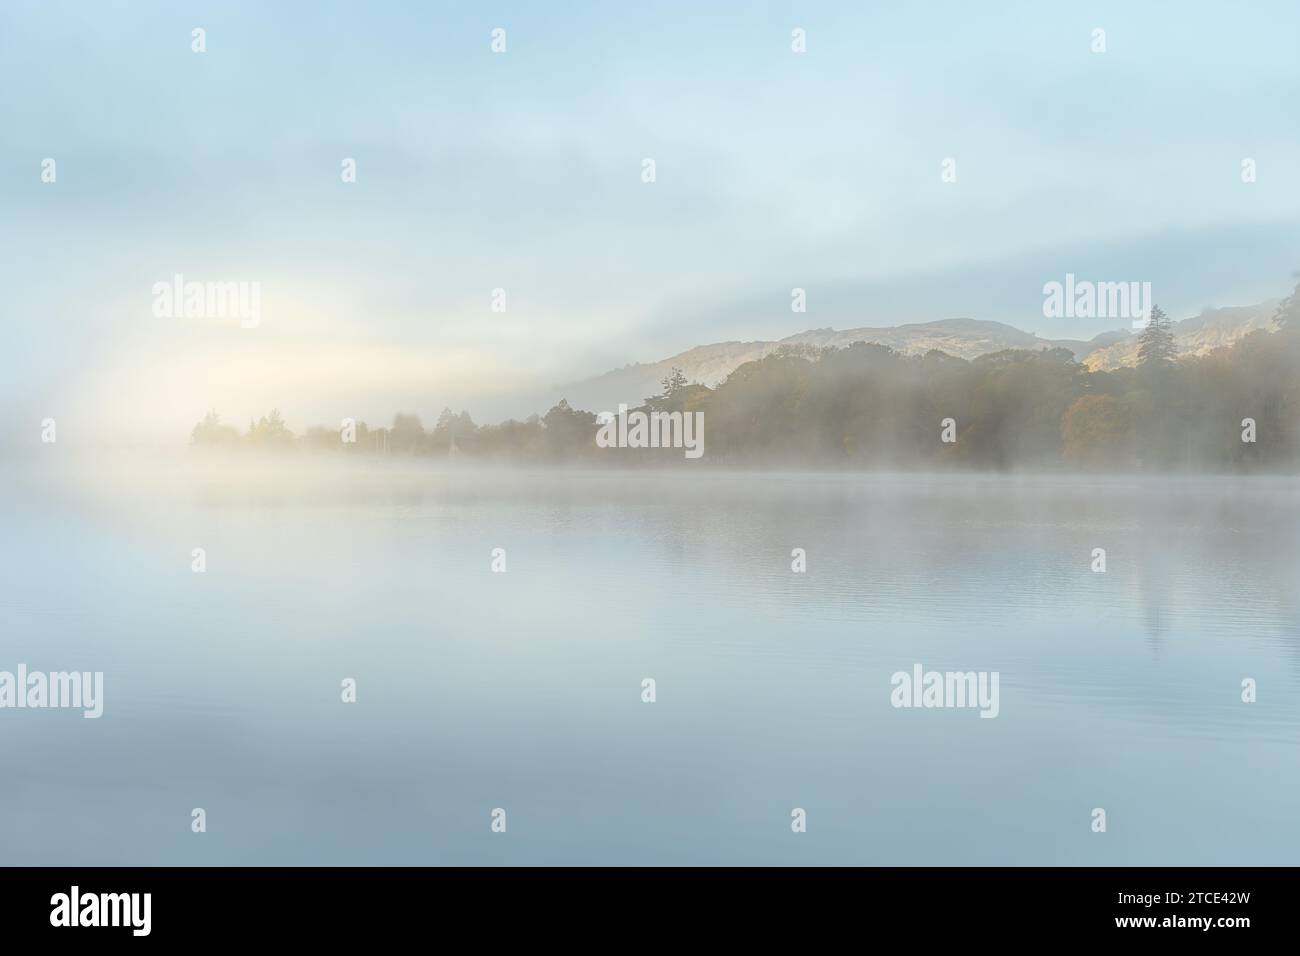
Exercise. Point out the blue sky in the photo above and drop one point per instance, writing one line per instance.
(522, 171)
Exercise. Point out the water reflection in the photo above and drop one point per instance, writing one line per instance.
(522, 690)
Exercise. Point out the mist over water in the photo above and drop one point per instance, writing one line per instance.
(522, 690)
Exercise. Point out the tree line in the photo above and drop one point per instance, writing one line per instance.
(868, 406)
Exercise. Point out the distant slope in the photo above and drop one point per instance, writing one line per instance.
(965, 338)
(1210, 330)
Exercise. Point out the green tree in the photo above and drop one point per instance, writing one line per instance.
(1156, 347)
(678, 393)
(269, 432)
(569, 433)
(1094, 430)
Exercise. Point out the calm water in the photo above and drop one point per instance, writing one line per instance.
(522, 690)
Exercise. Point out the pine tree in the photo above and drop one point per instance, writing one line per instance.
(674, 383)
(1156, 347)
(674, 386)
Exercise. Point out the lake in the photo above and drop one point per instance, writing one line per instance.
(522, 690)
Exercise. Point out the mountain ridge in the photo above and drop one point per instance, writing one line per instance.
(963, 337)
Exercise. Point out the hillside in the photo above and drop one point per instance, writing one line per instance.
(963, 337)
(1212, 329)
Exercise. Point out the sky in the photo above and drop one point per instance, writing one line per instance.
(522, 171)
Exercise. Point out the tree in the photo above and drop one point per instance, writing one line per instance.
(568, 431)
(674, 382)
(211, 432)
(1095, 430)
(677, 393)
(269, 432)
(452, 434)
(407, 433)
(1156, 347)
